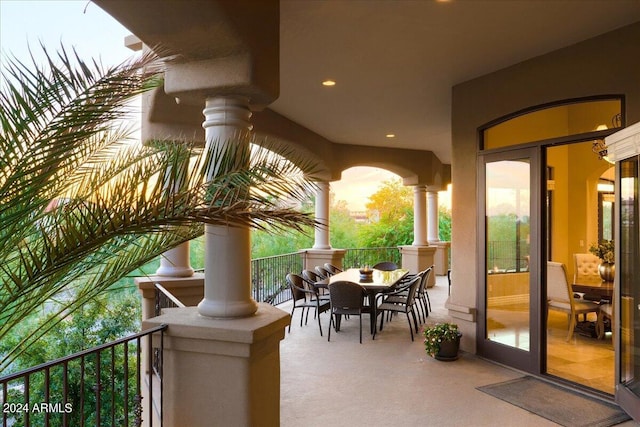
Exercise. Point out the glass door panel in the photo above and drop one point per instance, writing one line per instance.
(507, 237)
(628, 392)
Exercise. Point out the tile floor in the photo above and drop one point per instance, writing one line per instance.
(582, 359)
(389, 381)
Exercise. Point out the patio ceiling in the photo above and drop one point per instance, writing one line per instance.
(394, 62)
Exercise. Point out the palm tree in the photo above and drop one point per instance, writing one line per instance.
(80, 206)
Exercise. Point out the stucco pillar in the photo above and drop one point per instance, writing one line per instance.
(227, 285)
(175, 262)
(420, 216)
(218, 372)
(432, 217)
(322, 216)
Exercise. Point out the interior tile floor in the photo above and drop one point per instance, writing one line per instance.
(391, 381)
(583, 359)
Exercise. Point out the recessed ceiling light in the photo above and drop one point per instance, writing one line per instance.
(329, 83)
(391, 135)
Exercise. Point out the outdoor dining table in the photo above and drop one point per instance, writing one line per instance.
(380, 281)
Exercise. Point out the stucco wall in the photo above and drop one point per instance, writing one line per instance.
(607, 64)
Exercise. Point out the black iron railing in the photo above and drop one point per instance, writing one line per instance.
(508, 256)
(359, 257)
(269, 276)
(165, 299)
(96, 387)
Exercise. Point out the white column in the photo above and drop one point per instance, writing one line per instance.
(176, 262)
(322, 216)
(420, 216)
(227, 284)
(433, 234)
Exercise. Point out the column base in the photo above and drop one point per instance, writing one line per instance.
(418, 258)
(168, 271)
(227, 309)
(221, 372)
(441, 259)
(315, 257)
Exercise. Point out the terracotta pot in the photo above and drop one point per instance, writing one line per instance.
(449, 349)
(607, 271)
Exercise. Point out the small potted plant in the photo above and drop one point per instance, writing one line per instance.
(442, 341)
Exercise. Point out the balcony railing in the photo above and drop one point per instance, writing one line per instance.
(508, 256)
(359, 257)
(97, 387)
(269, 273)
(268, 276)
(165, 299)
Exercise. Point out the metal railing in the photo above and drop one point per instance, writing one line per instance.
(359, 257)
(268, 276)
(508, 256)
(101, 386)
(165, 299)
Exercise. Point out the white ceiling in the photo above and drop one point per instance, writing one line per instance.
(395, 62)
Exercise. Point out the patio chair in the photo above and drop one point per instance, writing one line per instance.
(386, 266)
(305, 297)
(312, 278)
(406, 307)
(347, 298)
(560, 296)
(332, 268)
(323, 272)
(422, 295)
(400, 293)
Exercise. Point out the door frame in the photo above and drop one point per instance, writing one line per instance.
(528, 361)
(624, 397)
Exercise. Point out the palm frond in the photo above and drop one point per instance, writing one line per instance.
(81, 208)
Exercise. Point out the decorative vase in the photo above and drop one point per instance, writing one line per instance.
(607, 271)
(366, 275)
(449, 349)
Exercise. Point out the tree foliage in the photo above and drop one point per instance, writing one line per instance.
(390, 210)
(103, 319)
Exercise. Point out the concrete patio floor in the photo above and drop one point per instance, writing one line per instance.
(389, 381)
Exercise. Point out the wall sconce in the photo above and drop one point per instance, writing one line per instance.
(599, 146)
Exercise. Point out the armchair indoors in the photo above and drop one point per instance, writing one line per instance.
(606, 311)
(585, 267)
(560, 296)
(585, 270)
